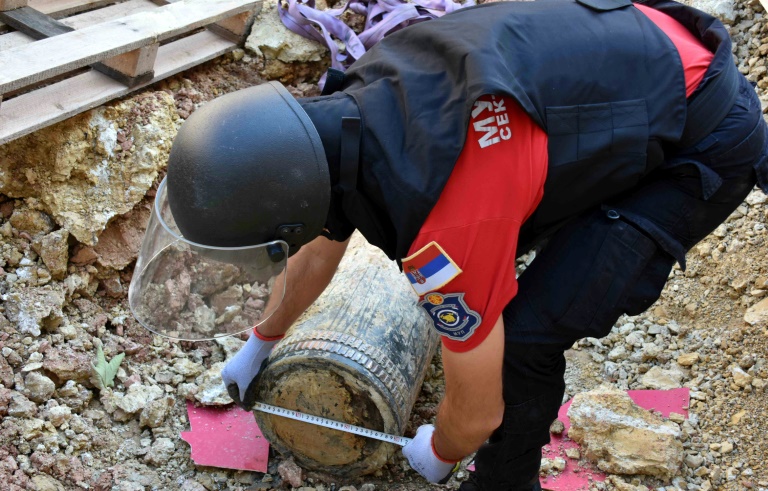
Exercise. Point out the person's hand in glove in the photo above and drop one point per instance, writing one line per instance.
(421, 454)
(241, 373)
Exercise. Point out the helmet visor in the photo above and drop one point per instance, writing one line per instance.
(189, 291)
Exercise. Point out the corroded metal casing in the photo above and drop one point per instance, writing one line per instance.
(359, 355)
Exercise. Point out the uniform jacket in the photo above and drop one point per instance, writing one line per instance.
(603, 81)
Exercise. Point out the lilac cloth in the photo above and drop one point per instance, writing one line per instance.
(381, 18)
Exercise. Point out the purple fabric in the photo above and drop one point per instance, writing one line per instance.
(381, 18)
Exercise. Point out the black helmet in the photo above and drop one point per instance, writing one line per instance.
(249, 168)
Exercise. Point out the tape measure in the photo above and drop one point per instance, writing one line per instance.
(334, 425)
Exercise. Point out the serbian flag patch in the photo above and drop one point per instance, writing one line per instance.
(429, 269)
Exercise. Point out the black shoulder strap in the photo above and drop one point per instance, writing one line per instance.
(334, 79)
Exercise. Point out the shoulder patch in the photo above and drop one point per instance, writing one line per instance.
(450, 315)
(430, 268)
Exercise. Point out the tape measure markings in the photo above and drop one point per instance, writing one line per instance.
(329, 423)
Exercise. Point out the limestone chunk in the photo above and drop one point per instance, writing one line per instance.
(688, 359)
(33, 309)
(54, 251)
(757, 314)
(81, 173)
(658, 378)
(39, 388)
(622, 437)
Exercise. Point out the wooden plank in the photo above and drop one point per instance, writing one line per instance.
(64, 8)
(131, 68)
(25, 65)
(34, 23)
(8, 41)
(111, 12)
(86, 19)
(12, 4)
(43, 107)
(235, 28)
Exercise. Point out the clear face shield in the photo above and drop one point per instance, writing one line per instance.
(188, 291)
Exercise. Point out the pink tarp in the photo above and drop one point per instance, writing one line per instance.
(227, 438)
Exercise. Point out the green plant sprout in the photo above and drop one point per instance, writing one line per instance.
(106, 371)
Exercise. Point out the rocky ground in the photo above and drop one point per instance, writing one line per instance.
(63, 284)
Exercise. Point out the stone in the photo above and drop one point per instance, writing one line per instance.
(68, 364)
(740, 377)
(658, 378)
(726, 447)
(725, 10)
(573, 453)
(30, 221)
(757, 314)
(290, 472)
(211, 390)
(677, 418)
(154, 414)
(271, 40)
(58, 415)
(6, 372)
(187, 368)
(74, 395)
(53, 249)
(160, 451)
(83, 255)
(557, 427)
(44, 482)
(120, 242)
(191, 485)
(623, 438)
(21, 407)
(137, 397)
(35, 308)
(81, 172)
(688, 359)
(38, 387)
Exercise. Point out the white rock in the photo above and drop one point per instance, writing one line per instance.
(137, 397)
(658, 378)
(740, 377)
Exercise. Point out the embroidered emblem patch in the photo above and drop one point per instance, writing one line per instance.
(450, 315)
(430, 268)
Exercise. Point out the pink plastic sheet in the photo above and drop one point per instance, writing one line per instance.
(226, 437)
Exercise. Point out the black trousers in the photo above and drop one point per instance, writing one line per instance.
(612, 260)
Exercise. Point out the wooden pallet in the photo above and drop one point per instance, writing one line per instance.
(49, 45)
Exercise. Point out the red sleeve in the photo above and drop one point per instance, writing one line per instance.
(694, 56)
(462, 263)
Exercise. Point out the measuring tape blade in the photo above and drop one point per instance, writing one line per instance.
(329, 423)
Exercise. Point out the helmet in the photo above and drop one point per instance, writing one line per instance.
(247, 185)
(249, 168)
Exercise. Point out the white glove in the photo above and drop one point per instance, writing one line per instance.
(421, 455)
(241, 373)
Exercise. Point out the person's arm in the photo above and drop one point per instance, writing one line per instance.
(473, 406)
(309, 272)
